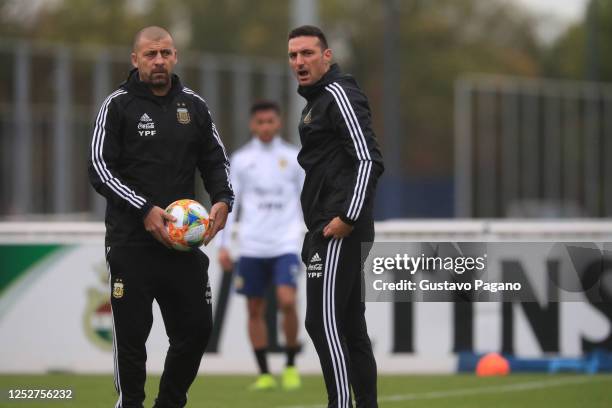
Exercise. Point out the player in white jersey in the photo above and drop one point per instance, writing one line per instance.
(267, 181)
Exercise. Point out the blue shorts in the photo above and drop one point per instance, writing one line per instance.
(255, 274)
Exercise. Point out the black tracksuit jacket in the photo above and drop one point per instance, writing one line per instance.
(145, 151)
(339, 152)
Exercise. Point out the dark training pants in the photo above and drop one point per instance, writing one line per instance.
(335, 317)
(178, 281)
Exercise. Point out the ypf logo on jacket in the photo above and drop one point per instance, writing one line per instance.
(146, 126)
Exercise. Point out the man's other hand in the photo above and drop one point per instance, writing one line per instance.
(337, 229)
(217, 219)
(155, 223)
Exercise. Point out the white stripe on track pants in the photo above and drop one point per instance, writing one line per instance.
(335, 317)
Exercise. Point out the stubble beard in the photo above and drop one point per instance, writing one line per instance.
(159, 81)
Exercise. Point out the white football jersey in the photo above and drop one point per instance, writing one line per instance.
(267, 181)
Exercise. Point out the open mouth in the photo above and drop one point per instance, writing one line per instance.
(302, 73)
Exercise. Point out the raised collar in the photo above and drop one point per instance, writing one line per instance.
(135, 85)
(332, 74)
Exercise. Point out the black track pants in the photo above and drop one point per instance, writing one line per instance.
(179, 283)
(335, 317)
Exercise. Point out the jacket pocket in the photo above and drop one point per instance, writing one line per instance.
(336, 188)
(311, 201)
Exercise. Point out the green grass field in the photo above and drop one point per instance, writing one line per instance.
(456, 391)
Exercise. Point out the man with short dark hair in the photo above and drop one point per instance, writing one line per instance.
(150, 137)
(342, 162)
(267, 180)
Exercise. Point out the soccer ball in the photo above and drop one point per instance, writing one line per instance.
(187, 232)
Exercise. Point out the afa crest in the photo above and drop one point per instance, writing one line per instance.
(182, 115)
(118, 289)
(308, 117)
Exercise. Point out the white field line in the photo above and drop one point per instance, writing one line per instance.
(461, 392)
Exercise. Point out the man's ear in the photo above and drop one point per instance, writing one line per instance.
(327, 55)
(134, 61)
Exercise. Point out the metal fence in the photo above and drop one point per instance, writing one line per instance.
(532, 148)
(50, 93)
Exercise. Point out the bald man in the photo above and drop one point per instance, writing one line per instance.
(150, 137)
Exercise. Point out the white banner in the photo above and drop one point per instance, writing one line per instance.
(56, 316)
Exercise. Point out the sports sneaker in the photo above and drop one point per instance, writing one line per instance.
(264, 382)
(291, 379)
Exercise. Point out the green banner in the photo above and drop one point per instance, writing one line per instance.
(17, 259)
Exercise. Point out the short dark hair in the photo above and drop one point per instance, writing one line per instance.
(155, 33)
(309, 31)
(264, 105)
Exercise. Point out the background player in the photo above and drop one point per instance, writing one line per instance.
(267, 180)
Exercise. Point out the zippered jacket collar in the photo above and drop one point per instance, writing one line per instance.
(135, 85)
(330, 76)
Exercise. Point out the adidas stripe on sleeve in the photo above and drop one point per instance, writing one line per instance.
(354, 119)
(103, 152)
